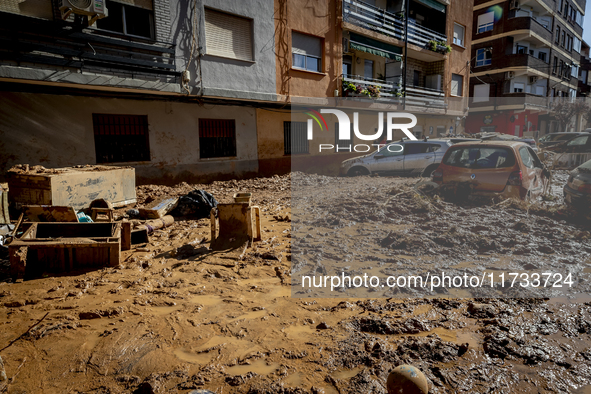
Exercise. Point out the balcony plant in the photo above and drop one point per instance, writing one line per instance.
(439, 46)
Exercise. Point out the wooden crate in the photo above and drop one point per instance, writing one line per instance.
(73, 187)
(64, 247)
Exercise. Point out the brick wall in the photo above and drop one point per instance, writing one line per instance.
(162, 20)
(424, 69)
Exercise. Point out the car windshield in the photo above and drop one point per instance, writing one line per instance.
(578, 141)
(480, 157)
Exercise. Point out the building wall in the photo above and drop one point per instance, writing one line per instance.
(223, 77)
(57, 131)
(461, 12)
(320, 19)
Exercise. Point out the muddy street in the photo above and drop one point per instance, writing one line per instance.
(176, 316)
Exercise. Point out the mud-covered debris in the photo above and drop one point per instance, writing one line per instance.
(322, 326)
(431, 348)
(240, 379)
(388, 326)
(481, 310)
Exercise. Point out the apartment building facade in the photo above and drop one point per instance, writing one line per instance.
(524, 53)
(167, 86)
(196, 91)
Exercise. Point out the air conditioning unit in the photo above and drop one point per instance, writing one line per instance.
(514, 4)
(346, 48)
(510, 75)
(533, 80)
(94, 9)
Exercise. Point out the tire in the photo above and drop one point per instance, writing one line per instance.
(358, 171)
(429, 170)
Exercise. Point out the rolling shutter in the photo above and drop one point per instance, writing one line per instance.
(228, 35)
(486, 19)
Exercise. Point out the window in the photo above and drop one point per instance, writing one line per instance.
(579, 141)
(575, 71)
(560, 5)
(121, 138)
(459, 33)
(521, 49)
(555, 65)
(307, 52)
(526, 157)
(368, 69)
(228, 35)
(569, 43)
(565, 13)
(577, 45)
(295, 138)
(414, 148)
(217, 138)
(128, 20)
(479, 157)
(557, 39)
(347, 65)
(481, 92)
(457, 85)
(518, 87)
(542, 56)
(416, 78)
(340, 145)
(563, 39)
(483, 57)
(580, 19)
(486, 22)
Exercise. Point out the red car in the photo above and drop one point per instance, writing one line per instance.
(493, 169)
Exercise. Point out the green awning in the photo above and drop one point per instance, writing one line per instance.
(375, 47)
(433, 4)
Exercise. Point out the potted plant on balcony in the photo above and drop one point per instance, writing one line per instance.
(349, 88)
(372, 91)
(439, 46)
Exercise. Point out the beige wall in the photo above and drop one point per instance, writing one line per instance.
(461, 12)
(57, 131)
(35, 8)
(320, 19)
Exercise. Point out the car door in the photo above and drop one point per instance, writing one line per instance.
(389, 160)
(439, 150)
(417, 157)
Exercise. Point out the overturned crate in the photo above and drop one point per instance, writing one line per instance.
(63, 247)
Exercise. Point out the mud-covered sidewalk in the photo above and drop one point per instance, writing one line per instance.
(176, 316)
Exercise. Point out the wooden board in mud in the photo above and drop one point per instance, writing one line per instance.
(64, 247)
(75, 187)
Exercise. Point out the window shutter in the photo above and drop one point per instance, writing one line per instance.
(228, 35)
(481, 92)
(485, 19)
(305, 45)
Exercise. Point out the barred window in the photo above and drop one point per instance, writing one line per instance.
(295, 137)
(121, 138)
(217, 138)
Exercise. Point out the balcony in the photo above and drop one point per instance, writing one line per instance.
(530, 24)
(392, 92)
(45, 44)
(379, 20)
(525, 60)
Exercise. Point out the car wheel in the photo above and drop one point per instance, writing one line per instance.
(357, 171)
(429, 170)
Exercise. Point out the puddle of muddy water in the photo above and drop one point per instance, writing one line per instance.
(296, 379)
(260, 367)
(192, 357)
(345, 374)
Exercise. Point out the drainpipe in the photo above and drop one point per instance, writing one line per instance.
(406, 13)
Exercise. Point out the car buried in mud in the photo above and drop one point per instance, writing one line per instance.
(577, 191)
(412, 158)
(502, 169)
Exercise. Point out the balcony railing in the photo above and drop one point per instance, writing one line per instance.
(391, 91)
(39, 42)
(379, 20)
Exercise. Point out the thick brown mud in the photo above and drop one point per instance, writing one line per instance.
(176, 316)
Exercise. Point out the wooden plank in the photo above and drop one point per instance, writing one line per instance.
(158, 208)
(50, 213)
